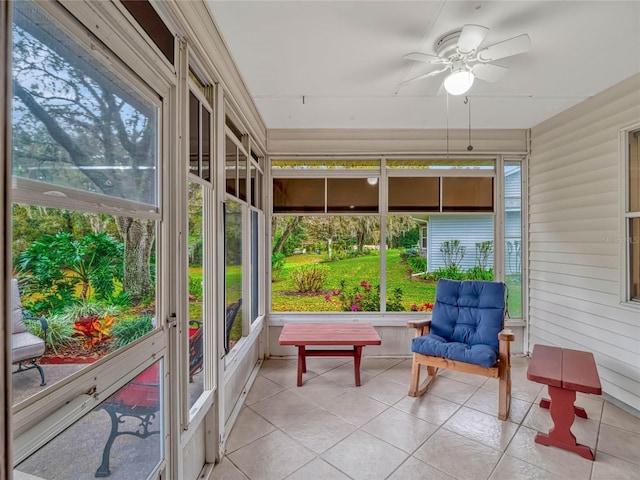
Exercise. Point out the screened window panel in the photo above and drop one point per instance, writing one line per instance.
(298, 195)
(230, 167)
(242, 176)
(194, 134)
(634, 171)
(351, 195)
(634, 257)
(76, 123)
(415, 194)
(467, 194)
(206, 144)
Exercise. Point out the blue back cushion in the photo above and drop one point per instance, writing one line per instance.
(470, 312)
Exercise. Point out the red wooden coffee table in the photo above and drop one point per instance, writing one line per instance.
(304, 334)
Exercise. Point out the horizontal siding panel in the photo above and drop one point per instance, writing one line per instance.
(612, 312)
(595, 150)
(600, 180)
(588, 337)
(596, 187)
(587, 236)
(564, 168)
(583, 271)
(629, 334)
(467, 229)
(607, 224)
(577, 213)
(586, 248)
(585, 200)
(570, 291)
(593, 284)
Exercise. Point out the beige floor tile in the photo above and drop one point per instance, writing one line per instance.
(458, 456)
(283, 407)
(261, 389)
(378, 365)
(616, 417)
(585, 430)
(226, 470)
(519, 360)
(363, 456)
(400, 429)
(318, 430)
(355, 408)
(414, 469)
(556, 460)
(487, 402)
(482, 427)
(344, 375)
(275, 363)
(287, 377)
(511, 468)
(400, 373)
(319, 390)
(619, 443)
(607, 467)
(321, 365)
(521, 389)
(318, 469)
(272, 457)
(383, 390)
(451, 390)
(428, 407)
(468, 378)
(249, 426)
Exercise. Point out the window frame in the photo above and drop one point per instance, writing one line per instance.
(626, 238)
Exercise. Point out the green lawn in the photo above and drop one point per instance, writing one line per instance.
(353, 271)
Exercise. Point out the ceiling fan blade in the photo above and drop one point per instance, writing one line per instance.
(422, 57)
(506, 48)
(471, 37)
(424, 75)
(489, 72)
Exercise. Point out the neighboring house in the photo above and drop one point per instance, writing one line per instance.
(472, 229)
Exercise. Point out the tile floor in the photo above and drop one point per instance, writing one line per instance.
(330, 429)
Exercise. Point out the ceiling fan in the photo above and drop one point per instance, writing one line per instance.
(460, 54)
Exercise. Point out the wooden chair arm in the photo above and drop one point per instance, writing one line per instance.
(506, 335)
(422, 326)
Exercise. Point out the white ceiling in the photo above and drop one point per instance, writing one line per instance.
(337, 64)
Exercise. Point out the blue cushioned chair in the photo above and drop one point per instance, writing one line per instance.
(465, 333)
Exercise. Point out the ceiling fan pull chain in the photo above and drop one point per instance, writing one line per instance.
(468, 102)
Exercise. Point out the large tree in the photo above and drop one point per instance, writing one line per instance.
(76, 125)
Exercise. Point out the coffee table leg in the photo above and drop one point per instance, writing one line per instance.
(357, 353)
(579, 411)
(562, 414)
(302, 363)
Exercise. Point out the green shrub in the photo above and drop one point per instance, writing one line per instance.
(195, 287)
(59, 331)
(277, 264)
(366, 298)
(452, 272)
(126, 331)
(88, 309)
(395, 303)
(309, 278)
(417, 264)
(479, 273)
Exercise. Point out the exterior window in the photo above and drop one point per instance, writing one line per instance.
(295, 195)
(233, 255)
(199, 138)
(513, 236)
(633, 216)
(414, 194)
(256, 269)
(85, 134)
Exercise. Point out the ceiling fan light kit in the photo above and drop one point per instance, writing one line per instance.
(459, 82)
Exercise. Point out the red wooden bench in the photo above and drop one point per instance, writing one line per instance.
(304, 334)
(565, 372)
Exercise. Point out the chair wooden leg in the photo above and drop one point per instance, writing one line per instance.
(504, 393)
(415, 389)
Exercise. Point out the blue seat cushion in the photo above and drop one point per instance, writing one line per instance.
(483, 355)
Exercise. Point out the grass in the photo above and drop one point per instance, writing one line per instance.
(353, 271)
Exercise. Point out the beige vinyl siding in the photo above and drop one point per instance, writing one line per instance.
(574, 230)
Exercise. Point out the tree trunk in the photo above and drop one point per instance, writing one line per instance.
(139, 239)
(286, 233)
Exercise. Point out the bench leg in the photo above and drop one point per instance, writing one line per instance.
(357, 354)
(562, 413)
(302, 363)
(579, 411)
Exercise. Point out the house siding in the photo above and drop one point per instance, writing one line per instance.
(574, 220)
